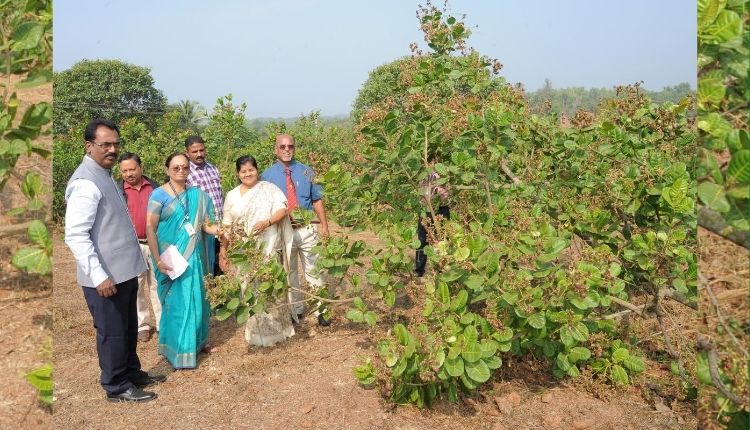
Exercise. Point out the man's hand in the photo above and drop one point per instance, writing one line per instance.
(106, 288)
(323, 230)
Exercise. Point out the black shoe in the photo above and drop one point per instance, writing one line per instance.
(322, 321)
(299, 319)
(147, 380)
(420, 274)
(134, 394)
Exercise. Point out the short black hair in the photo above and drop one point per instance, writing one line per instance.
(130, 156)
(193, 139)
(175, 154)
(244, 160)
(89, 134)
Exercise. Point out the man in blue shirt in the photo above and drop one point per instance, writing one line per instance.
(296, 180)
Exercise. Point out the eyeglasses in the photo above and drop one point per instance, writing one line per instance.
(180, 168)
(285, 147)
(107, 145)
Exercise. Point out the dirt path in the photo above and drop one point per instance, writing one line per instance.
(306, 382)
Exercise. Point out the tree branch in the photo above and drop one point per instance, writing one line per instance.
(509, 172)
(704, 344)
(715, 302)
(640, 311)
(680, 298)
(713, 221)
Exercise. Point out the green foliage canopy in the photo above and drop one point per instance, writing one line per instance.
(108, 89)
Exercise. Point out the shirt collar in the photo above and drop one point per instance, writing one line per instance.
(195, 166)
(94, 165)
(143, 184)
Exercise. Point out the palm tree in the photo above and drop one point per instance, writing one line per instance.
(193, 116)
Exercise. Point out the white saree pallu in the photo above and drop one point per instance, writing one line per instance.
(258, 204)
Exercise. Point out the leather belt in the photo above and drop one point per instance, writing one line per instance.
(143, 241)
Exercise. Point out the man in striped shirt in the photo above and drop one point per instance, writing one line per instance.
(205, 176)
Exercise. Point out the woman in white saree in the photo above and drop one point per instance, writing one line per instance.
(260, 208)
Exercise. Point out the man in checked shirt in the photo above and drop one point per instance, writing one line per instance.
(205, 176)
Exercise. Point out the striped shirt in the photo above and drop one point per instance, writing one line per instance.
(206, 177)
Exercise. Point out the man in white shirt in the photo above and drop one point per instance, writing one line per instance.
(103, 241)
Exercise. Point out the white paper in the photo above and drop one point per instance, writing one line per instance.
(174, 259)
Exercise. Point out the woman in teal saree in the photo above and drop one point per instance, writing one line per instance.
(181, 216)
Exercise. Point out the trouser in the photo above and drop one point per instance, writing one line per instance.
(217, 248)
(146, 290)
(116, 324)
(303, 241)
(421, 259)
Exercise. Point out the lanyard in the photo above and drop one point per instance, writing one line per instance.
(184, 205)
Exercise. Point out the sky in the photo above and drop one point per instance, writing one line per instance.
(284, 58)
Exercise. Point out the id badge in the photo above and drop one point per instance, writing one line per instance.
(190, 230)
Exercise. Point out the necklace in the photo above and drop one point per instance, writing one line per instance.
(184, 205)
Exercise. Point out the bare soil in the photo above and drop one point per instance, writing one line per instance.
(307, 382)
(25, 300)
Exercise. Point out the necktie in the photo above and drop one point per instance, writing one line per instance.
(291, 192)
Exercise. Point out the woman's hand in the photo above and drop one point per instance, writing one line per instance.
(163, 267)
(261, 225)
(211, 228)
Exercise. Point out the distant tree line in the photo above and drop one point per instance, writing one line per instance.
(571, 100)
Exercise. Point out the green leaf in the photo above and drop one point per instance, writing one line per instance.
(620, 354)
(38, 233)
(739, 167)
(477, 371)
(18, 147)
(474, 282)
(402, 334)
(713, 196)
(727, 26)
(400, 367)
(566, 336)
(243, 314)
(562, 362)
(702, 369)
(537, 320)
(634, 364)
(619, 376)
(459, 302)
(715, 125)
(471, 334)
(454, 366)
(504, 335)
(493, 362)
(615, 269)
(33, 260)
(708, 10)
(428, 308)
(355, 315)
(233, 303)
(444, 293)
(223, 313)
(27, 36)
(711, 89)
(359, 303)
(579, 353)
(462, 253)
(371, 318)
(471, 351)
(555, 245)
(489, 348)
(580, 332)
